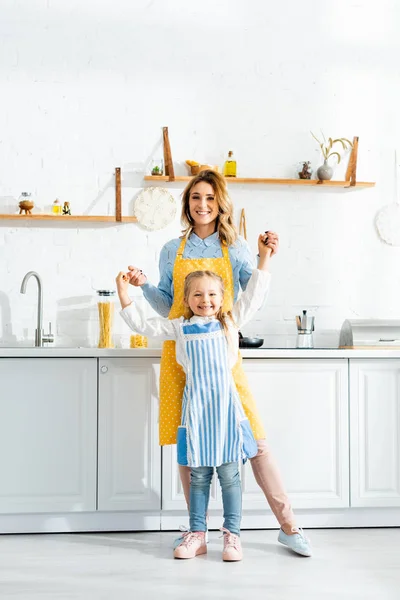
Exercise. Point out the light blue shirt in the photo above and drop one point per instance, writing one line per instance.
(160, 297)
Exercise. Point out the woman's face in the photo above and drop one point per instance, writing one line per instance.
(203, 205)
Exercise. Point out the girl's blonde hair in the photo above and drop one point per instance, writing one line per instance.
(225, 226)
(221, 316)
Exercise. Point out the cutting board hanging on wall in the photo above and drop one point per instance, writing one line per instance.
(242, 224)
(388, 218)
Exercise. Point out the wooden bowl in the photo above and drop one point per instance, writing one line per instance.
(198, 168)
(26, 204)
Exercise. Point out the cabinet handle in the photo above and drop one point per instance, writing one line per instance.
(104, 369)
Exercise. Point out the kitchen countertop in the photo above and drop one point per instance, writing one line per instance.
(59, 352)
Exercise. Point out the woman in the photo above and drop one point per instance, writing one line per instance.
(210, 242)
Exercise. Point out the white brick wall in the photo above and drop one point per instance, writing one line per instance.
(87, 86)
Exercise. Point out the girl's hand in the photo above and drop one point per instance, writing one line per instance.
(272, 240)
(136, 276)
(122, 281)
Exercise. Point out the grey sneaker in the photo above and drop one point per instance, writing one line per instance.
(296, 542)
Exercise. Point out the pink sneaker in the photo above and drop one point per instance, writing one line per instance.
(193, 544)
(232, 547)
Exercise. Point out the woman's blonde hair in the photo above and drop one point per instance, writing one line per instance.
(221, 316)
(225, 226)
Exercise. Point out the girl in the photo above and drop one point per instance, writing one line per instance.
(210, 242)
(214, 430)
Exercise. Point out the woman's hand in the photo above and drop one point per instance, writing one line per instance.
(268, 243)
(136, 276)
(264, 250)
(272, 240)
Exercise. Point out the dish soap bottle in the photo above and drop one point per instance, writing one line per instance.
(230, 165)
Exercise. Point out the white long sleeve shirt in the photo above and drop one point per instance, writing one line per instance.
(243, 311)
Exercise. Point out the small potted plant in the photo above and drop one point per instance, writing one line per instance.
(325, 171)
(157, 168)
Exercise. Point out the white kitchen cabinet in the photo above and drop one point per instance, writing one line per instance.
(304, 407)
(48, 410)
(129, 457)
(375, 432)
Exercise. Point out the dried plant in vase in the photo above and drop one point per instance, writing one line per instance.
(325, 171)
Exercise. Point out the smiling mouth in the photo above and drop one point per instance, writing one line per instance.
(203, 213)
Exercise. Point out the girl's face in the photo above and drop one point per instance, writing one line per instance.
(203, 206)
(205, 297)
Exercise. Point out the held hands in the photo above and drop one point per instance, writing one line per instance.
(268, 243)
(136, 276)
(269, 240)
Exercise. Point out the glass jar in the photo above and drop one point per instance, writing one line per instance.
(157, 167)
(106, 306)
(25, 203)
(138, 341)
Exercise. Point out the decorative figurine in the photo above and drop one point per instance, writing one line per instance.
(25, 203)
(66, 209)
(305, 172)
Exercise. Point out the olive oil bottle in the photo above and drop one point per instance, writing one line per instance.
(230, 165)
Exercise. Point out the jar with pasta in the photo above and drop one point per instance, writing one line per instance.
(105, 304)
(138, 341)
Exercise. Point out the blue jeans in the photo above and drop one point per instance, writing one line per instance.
(200, 483)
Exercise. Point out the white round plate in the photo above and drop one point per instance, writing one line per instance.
(155, 208)
(388, 224)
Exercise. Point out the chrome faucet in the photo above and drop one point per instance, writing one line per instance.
(40, 336)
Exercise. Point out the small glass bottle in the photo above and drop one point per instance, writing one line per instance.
(105, 305)
(230, 166)
(57, 207)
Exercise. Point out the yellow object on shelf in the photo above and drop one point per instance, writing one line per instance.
(230, 165)
(196, 168)
(138, 341)
(56, 208)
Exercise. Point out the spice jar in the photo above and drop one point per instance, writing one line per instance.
(105, 304)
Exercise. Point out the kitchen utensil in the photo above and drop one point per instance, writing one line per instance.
(155, 208)
(249, 342)
(242, 224)
(388, 218)
(168, 164)
(305, 328)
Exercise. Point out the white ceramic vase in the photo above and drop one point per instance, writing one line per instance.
(325, 172)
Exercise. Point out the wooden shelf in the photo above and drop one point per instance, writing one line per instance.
(298, 182)
(65, 218)
(117, 218)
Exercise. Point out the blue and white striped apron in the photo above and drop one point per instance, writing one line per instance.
(214, 428)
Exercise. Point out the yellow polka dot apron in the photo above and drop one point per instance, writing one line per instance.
(172, 376)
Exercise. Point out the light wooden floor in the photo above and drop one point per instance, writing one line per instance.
(348, 564)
